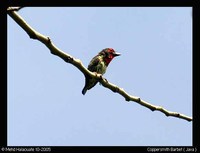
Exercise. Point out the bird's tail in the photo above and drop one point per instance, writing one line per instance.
(84, 90)
(85, 87)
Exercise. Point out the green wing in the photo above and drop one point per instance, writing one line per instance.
(93, 64)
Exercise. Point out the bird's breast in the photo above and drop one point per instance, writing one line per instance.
(101, 67)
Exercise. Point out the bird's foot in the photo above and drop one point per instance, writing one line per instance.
(98, 75)
(106, 80)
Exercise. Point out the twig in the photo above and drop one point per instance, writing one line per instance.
(78, 64)
(14, 8)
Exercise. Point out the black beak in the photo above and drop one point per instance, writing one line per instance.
(117, 54)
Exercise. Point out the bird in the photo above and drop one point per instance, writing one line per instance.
(98, 65)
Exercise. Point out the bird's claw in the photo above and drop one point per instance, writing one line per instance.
(101, 77)
(106, 80)
(98, 75)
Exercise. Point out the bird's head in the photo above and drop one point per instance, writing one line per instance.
(108, 54)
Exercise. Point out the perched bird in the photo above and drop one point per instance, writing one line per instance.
(98, 64)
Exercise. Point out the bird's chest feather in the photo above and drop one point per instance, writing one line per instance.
(101, 67)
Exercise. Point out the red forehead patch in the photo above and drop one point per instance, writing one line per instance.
(111, 50)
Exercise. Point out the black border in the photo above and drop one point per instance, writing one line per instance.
(108, 3)
(3, 60)
(196, 76)
(103, 3)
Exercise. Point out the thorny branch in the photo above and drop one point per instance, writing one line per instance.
(78, 64)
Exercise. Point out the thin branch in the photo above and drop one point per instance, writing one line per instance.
(78, 64)
(14, 8)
